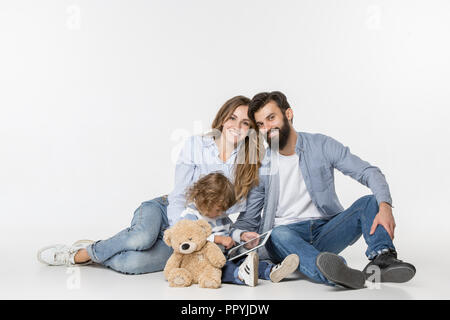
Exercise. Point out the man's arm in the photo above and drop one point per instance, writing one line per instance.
(248, 221)
(349, 164)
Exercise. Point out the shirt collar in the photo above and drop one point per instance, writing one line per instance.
(208, 141)
(299, 144)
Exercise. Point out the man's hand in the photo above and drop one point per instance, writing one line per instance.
(247, 236)
(227, 242)
(385, 218)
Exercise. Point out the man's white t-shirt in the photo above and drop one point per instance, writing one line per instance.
(295, 204)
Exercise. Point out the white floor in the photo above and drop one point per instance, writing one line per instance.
(23, 277)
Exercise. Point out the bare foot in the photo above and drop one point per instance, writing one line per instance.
(81, 256)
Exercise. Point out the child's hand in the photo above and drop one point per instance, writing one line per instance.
(227, 242)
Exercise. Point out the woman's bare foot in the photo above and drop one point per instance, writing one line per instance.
(81, 256)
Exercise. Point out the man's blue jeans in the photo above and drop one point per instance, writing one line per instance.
(308, 238)
(139, 248)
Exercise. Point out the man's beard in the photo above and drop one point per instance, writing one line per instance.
(283, 134)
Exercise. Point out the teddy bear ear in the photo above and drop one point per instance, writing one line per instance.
(166, 237)
(205, 226)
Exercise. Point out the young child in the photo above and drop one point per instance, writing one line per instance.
(208, 199)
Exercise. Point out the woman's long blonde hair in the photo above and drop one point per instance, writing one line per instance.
(250, 152)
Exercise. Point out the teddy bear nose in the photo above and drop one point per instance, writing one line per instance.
(185, 246)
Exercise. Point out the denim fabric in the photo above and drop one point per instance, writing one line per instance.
(308, 238)
(138, 248)
(231, 269)
(318, 155)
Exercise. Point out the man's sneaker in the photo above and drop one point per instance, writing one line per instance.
(248, 270)
(62, 255)
(285, 268)
(335, 270)
(389, 268)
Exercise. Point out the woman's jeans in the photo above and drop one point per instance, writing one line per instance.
(308, 238)
(139, 248)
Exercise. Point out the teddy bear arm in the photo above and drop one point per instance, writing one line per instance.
(215, 255)
(172, 263)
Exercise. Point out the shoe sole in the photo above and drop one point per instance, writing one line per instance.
(397, 275)
(87, 242)
(335, 270)
(79, 242)
(288, 265)
(255, 260)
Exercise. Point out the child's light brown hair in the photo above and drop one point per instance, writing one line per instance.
(210, 191)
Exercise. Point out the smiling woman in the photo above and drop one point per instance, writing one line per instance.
(233, 121)
(229, 148)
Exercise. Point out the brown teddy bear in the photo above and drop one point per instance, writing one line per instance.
(194, 260)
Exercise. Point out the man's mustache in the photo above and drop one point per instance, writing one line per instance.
(268, 133)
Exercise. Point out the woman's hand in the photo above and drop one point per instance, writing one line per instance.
(227, 242)
(248, 236)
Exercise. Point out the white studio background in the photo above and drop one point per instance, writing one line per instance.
(96, 97)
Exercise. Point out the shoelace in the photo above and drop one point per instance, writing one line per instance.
(63, 256)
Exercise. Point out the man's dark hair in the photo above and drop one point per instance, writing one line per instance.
(263, 98)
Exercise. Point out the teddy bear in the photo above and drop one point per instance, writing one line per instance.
(194, 258)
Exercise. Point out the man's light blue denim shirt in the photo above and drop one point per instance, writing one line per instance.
(199, 157)
(318, 155)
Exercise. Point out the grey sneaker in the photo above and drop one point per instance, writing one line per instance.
(335, 270)
(285, 268)
(389, 268)
(62, 255)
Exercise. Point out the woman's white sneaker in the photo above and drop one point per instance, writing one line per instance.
(248, 270)
(285, 268)
(62, 255)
